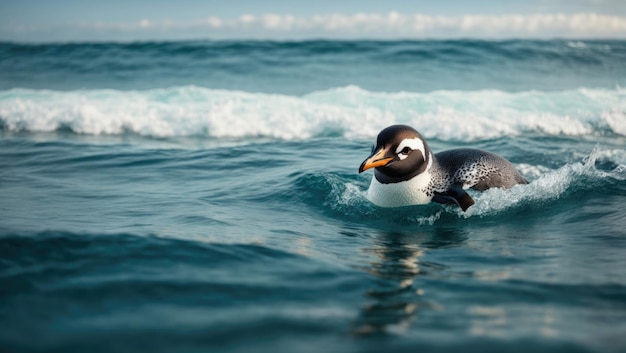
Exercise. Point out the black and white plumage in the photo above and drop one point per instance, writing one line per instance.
(407, 173)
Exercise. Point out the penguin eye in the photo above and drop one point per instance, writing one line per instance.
(406, 150)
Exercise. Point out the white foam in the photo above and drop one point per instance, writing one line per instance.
(531, 172)
(549, 185)
(616, 156)
(350, 196)
(349, 111)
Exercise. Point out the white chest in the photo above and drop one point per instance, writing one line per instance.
(405, 193)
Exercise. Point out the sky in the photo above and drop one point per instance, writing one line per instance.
(139, 20)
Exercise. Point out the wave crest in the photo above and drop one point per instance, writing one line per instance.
(348, 111)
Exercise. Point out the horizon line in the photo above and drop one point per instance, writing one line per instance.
(373, 26)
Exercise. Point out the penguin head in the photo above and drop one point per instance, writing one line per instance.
(400, 153)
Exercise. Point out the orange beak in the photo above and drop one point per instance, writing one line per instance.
(377, 159)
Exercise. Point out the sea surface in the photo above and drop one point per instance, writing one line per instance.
(203, 196)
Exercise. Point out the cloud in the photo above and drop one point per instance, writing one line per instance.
(359, 25)
(395, 24)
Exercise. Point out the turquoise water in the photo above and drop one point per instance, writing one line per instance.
(204, 196)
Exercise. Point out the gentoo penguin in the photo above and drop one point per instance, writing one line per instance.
(407, 173)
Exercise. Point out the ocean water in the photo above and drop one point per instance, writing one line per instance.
(204, 197)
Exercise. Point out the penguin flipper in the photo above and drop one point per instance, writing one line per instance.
(455, 195)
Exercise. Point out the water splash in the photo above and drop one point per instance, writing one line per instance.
(547, 186)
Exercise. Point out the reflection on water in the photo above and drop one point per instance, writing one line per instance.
(397, 296)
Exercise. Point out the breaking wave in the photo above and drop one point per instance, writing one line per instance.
(347, 111)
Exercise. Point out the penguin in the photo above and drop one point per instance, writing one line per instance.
(406, 172)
